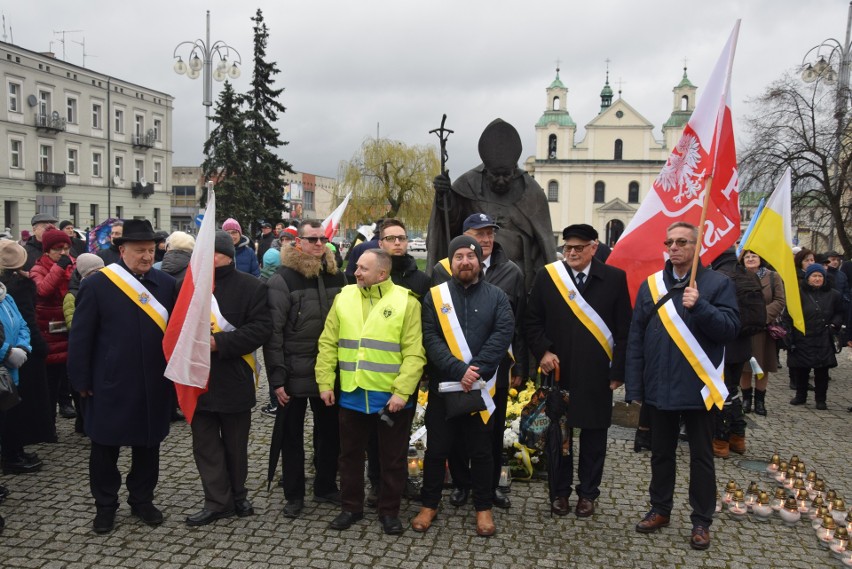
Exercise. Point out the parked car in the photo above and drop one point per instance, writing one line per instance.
(417, 244)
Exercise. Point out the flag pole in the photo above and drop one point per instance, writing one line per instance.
(695, 259)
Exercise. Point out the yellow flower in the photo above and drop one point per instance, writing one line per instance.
(513, 392)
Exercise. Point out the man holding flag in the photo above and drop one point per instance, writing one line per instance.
(116, 362)
(675, 357)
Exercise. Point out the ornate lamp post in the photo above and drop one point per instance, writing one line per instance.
(200, 63)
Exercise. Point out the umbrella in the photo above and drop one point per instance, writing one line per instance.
(558, 439)
(275, 444)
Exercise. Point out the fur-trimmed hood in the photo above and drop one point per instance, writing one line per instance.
(308, 265)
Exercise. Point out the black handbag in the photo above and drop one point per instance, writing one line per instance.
(9, 396)
(459, 403)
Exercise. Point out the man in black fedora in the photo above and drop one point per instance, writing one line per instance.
(116, 363)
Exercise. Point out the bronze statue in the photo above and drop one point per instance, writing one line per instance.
(508, 194)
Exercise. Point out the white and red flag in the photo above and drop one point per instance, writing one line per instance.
(332, 222)
(705, 152)
(187, 340)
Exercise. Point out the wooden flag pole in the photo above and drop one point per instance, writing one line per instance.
(707, 185)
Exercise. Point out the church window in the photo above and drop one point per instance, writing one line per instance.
(684, 103)
(619, 148)
(600, 192)
(553, 191)
(556, 103)
(551, 147)
(633, 192)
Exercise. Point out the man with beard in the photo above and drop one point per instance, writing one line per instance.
(510, 196)
(467, 329)
(498, 270)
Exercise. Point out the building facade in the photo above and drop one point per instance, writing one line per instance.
(81, 145)
(602, 179)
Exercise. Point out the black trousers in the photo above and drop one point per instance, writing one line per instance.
(460, 463)
(442, 433)
(665, 426)
(220, 447)
(799, 375)
(731, 420)
(356, 430)
(58, 386)
(590, 464)
(105, 479)
(326, 447)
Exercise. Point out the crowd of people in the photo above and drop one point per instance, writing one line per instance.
(83, 339)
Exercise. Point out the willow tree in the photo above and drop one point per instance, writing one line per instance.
(388, 178)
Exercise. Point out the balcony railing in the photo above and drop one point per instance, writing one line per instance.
(144, 140)
(50, 180)
(140, 189)
(51, 123)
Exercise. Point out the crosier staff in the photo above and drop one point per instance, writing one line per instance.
(443, 135)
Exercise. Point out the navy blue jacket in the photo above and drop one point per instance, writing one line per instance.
(486, 320)
(656, 371)
(245, 258)
(116, 351)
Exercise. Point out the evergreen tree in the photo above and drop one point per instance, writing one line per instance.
(262, 140)
(226, 159)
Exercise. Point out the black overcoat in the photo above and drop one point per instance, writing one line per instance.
(116, 351)
(584, 365)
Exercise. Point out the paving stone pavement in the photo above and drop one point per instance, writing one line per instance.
(49, 513)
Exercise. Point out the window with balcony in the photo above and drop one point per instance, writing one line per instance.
(71, 110)
(16, 153)
(72, 161)
(139, 170)
(44, 107)
(45, 158)
(119, 121)
(14, 101)
(139, 125)
(97, 116)
(97, 162)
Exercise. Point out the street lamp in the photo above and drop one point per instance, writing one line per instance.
(200, 62)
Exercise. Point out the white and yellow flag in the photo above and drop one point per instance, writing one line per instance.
(772, 239)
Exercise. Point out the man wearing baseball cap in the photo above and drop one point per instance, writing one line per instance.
(503, 273)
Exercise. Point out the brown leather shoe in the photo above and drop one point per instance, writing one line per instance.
(485, 524)
(423, 520)
(737, 444)
(585, 508)
(700, 538)
(721, 449)
(652, 522)
(560, 506)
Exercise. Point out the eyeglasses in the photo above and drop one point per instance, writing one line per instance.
(313, 240)
(679, 242)
(395, 238)
(575, 248)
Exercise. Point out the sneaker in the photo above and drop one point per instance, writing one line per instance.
(269, 410)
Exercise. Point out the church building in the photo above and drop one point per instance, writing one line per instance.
(601, 179)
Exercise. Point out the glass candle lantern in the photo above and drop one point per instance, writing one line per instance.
(761, 509)
(790, 514)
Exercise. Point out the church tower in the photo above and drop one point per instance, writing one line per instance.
(555, 129)
(684, 104)
(606, 94)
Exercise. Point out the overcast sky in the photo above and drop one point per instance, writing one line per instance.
(347, 66)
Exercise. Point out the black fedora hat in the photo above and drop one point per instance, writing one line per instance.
(136, 230)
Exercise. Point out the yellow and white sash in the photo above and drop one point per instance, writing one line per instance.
(581, 309)
(714, 390)
(458, 343)
(136, 292)
(220, 324)
(445, 262)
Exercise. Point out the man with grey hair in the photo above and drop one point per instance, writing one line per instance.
(40, 222)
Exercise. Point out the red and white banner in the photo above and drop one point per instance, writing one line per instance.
(187, 340)
(331, 223)
(706, 149)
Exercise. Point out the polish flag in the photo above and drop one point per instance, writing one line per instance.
(331, 223)
(187, 339)
(706, 149)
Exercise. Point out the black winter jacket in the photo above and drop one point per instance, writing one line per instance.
(823, 313)
(300, 294)
(404, 272)
(175, 262)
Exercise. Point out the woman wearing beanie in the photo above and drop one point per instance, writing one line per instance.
(52, 274)
(823, 312)
(245, 259)
(87, 264)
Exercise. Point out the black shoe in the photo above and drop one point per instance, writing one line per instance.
(293, 508)
(148, 513)
(243, 508)
(642, 440)
(332, 498)
(270, 410)
(20, 465)
(501, 500)
(344, 520)
(798, 400)
(205, 517)
(793, 385)
(104, 520)
(821, 406)
(372, 497)
(391, 525)
(67, 411)
(459, 497)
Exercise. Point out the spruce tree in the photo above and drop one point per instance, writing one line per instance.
(262, 140)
